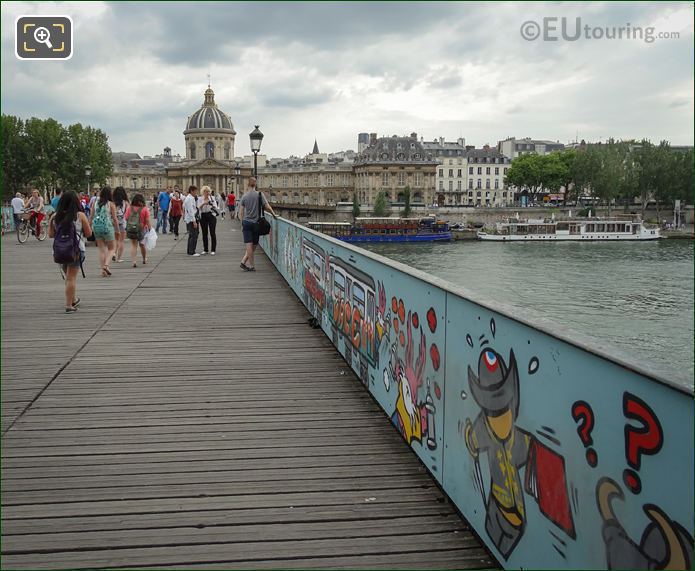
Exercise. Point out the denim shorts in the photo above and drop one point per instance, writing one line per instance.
(250, 230)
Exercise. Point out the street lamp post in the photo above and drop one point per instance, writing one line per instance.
(256, 137)
(237, 172)
(88, 173)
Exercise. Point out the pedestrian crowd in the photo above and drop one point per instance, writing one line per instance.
(109, 218)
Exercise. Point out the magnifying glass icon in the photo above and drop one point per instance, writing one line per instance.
(43, 36)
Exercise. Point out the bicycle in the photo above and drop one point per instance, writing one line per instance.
(26, 226)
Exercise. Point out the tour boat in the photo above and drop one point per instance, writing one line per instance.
(578, 230)
(427, 229)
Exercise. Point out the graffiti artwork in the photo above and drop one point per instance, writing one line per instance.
(353, 313)
(412, 416)
(664, 544)
(495, 388)
(314, 267)
(556, 456)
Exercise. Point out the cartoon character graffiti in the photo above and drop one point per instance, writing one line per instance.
(665, 544)
(413, 417)
(495, 388)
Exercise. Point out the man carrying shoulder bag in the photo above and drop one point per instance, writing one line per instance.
(253, 223)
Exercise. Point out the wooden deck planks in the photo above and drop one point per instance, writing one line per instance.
(187, 416)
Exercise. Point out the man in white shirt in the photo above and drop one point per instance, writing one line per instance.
(17, 208)
(190, 218)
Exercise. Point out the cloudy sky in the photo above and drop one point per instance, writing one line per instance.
(331, 70)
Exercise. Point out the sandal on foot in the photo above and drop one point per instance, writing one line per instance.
(71, 309)
(244, 267)
(76, 302)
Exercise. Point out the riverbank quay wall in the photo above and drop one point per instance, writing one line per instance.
(559, 453)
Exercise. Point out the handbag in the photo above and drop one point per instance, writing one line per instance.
(263, 224)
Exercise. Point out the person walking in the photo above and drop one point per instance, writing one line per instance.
(231, 204)
(68, 217)
(175, 213)
(250, 214)
(56, 198)
(104, 221)
(17, 208)
(207, 206)
(137, 217)
(163, 201)
(221, 202)
(190, 219)
(120, 199)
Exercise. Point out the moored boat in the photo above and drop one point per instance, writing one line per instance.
(386, 229)
(573, 229)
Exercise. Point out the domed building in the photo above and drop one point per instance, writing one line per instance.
(390, 164)
(209, 136)
(209, 132)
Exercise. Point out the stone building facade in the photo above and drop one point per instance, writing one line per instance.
(390, 164)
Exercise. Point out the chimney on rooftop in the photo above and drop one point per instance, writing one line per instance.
(441, 141)
(413, 135)
(372, 138)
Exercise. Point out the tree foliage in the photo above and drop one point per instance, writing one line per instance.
(44, 154)
(380, 205)
(356, 211)
(609, 172)
(407, 208)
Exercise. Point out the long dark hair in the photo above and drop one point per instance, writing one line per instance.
(67, 208)
(120, 196)
(105, 196)
(138, 200)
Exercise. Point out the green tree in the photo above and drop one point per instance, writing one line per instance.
(44, 154)
(525, 173)
(407, 209)
(15, 161)
(355, 206)
(380, 205)
(568, 158)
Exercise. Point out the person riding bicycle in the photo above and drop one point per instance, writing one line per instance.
(36, 208)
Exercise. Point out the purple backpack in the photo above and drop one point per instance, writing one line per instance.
(66, 244)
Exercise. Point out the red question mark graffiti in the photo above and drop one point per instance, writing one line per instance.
(647, 439)
(584, 415)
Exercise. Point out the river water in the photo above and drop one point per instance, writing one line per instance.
(636, 296)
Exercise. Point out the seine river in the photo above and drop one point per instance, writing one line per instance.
(636, 296)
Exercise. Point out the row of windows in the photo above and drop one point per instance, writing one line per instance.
(142, 182)
(470, 184)
(210, 150)
(283, 181)
(459, 172)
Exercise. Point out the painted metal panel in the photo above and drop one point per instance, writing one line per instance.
(558, 455)
(388, 325)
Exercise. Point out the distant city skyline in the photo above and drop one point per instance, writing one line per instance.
(326, 72)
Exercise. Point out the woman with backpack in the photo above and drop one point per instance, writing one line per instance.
(120, 199)
(137, 218)
(104, 221)
(69, 226)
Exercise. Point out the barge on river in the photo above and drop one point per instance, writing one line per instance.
(427, 229)
(577, 230)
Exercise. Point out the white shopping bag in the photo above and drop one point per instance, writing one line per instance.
(149, 240)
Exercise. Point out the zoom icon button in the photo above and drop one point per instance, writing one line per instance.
(43, 37)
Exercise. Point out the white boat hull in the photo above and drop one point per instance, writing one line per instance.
(604, 237)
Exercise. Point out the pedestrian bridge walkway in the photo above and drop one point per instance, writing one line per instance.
(188, 416)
